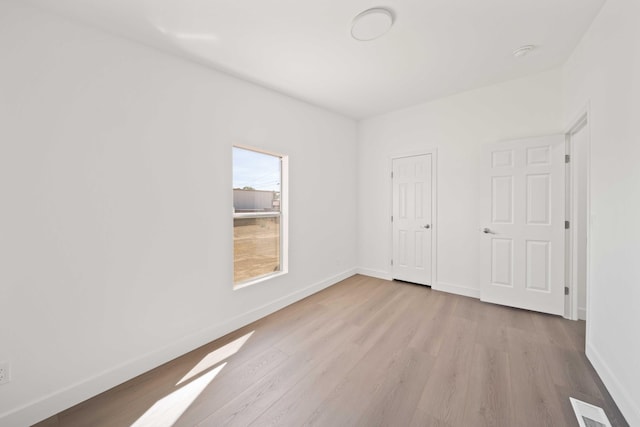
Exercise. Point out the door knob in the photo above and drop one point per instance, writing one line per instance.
(426, 226)
(487, 231)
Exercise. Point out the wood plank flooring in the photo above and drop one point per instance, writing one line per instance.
(368, 352)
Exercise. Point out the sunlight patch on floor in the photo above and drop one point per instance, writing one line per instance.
(216, 357)
(166, 411)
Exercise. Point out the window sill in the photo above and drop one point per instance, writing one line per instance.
(257, 280)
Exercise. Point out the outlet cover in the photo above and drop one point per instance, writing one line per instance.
(5, 372)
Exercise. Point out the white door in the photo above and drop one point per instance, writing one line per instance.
(412, 227)
(522, 224)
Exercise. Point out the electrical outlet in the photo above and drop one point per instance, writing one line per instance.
(5, 372)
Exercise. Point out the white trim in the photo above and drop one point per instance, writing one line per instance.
(581, 122)
(434, 206)
(582, 313)
(457, 289)
(284, 213)
(60, 400)
(579, 117)
(258, 150)
(628, 406)
(568, 241)
(378, 274)
(256, 214)
(258, 279)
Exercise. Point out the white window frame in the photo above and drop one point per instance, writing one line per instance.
(284, 219)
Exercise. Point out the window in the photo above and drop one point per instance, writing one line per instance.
(259, 210)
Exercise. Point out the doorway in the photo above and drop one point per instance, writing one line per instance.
(577, 264)
(412, 218)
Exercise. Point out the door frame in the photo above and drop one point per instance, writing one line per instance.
(582, 121)
(434, 207)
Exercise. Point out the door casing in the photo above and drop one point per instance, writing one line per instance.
(580, 123)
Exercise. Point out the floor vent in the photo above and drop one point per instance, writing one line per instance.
(589, 415)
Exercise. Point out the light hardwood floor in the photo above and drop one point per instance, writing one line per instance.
(369, 352)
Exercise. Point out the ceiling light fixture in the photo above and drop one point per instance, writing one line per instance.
(523, 50)
(371, 24)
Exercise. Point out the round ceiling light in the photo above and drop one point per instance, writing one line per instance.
(371, 24)
(523, 50)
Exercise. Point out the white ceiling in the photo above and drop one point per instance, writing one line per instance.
(304, 48)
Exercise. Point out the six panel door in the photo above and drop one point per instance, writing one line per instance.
(412, 227)
(522, 224)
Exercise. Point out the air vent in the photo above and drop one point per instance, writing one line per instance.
(589, 415)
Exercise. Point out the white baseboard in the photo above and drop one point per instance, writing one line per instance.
(457, 289)
(582, 313)
(60, 400)
(627, 405)
(378, 274)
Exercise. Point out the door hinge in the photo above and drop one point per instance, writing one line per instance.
(391, 218)
(391, 262)
(566, 225)
(391, 175)
(566, 290)
(567, 158)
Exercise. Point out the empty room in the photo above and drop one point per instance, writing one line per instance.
(329, 213)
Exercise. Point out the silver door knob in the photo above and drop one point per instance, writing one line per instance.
(487, 231)
(426, 226)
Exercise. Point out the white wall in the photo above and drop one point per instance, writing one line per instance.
(116, 202)
(115, 180)
(457, 126)
(604, 71)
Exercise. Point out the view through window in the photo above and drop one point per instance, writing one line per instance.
(257, 215)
